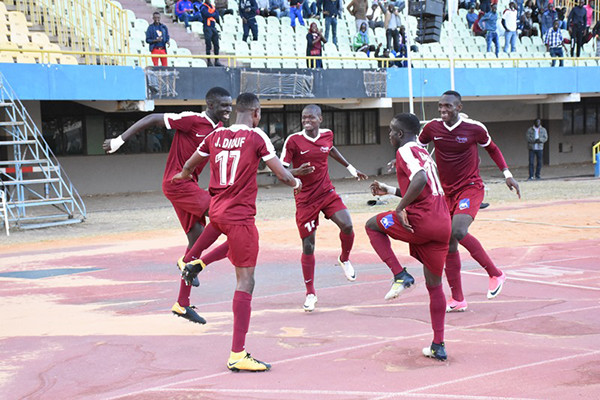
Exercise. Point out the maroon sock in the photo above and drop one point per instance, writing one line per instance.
(204, 241)
(219, 253)
(308, 271)
(347, 242)
(242, 307)
(184, 294)
(474, 247)
(437, 310)
(383, 247)
(453, 275)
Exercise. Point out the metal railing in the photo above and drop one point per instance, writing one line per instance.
(83, 25)
(235, 61)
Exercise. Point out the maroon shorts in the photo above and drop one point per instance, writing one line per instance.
(189, 201)
(429, 242)
(466, 201)
(307, 214)
(243, 243)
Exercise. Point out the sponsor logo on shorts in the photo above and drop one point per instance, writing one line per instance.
(461, 139)
(387, 221)
(324, 149)
(464, 204)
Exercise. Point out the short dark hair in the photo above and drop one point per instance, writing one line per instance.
(247, 102)
(453, 93)
(216, 92)
(155, 13)
(313, 108)
(409, 123)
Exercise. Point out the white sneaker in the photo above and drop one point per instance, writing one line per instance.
(309, 303)
(348, 269)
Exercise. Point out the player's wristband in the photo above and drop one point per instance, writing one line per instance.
(352, 170)
(507, 174)
(116, 143)
(298, 182)
(388, 188)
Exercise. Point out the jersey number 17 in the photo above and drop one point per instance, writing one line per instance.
(222, 159)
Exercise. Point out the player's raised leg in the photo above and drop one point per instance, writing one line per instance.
(383, 247)
(497, 277)
(460, 226)
(343, 220)
(308, 271)
(432, 270)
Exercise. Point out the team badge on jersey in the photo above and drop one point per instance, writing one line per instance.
(324, 149)
(387, 221)
(461, 139)
(464, 204)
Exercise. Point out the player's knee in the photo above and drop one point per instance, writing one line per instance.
(347, 229)
(458, 233)
(308, 248)
(371, 224)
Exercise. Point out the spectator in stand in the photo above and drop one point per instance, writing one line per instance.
(577, 24)
(263, 8)
(375, 15)
(387, 55)
(222, 7)
(170, 7)
(471, 16)
(589, 9)
(596, 34)
(157, 36)
(391, 24)
(361, 40)
(527, 28)
(489, 23)
(197, 7)
(548, 18)
(542, 5)
(562, 13)
(185, 13)
(485, 6)
(534, 10)
(314, 46)
(536, 136)
(554, 42)
(403, 51)
(296, 12)
(509, 22)
(476, 28)
(278, 8)
(248, 10)
(358, 9)
(309, 9)
(210, 18)
(332, 10)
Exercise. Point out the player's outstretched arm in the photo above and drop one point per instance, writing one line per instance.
(283, 174)
(380, 189)
(415, 188)
(112, 145)
(337, 156)
(498, 158)
(188, 168)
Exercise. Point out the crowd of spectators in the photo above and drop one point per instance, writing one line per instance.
(530, 18)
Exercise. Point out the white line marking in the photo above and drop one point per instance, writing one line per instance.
(356, 347)
(339, 393)
(510, 278)
(500, 371)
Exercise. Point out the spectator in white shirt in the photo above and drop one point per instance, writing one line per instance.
(509, 22)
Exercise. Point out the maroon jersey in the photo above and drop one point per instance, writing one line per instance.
(410, 159)
(235, 153)
(456, 151)
(300, 148)
(191, 129)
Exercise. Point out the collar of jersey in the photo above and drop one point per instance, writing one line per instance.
(204, 115)
(315, 138)
(451, 128)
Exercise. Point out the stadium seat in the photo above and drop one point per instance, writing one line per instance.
(17, 17)
(68, 59)
(40, 38)
(141, 24)
(160, 4)
(26, 59)
(257, 63)
(198, 63)
(6, 57)
(19, 38)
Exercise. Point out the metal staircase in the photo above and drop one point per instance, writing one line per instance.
(38, 192)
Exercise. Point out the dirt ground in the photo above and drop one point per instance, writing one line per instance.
(565, 201)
